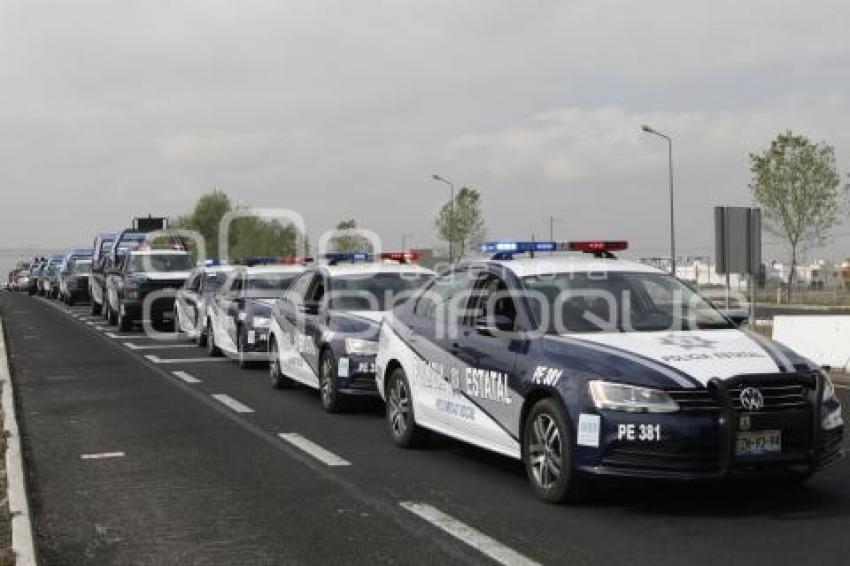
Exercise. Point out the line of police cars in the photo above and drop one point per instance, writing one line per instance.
(579, 364)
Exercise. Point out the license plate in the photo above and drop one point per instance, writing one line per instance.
(759, 442)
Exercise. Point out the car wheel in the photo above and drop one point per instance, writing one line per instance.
(332, 399)
(69, 300)
(400, 418)
(201, 339)
(548, 455)
(212, 349)
(279, 381)
(124, 323)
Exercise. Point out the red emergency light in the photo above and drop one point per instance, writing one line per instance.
(598, 246)
(401, 257)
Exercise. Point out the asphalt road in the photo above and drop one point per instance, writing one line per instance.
(199, 482)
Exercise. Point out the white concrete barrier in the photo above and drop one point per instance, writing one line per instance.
(823, 339)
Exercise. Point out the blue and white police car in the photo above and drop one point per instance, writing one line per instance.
(324, 330)
(585, 366)
(192, 300)
(238, 313)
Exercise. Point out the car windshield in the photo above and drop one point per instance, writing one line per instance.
(214, 280)
(82, 266)
(159, 262)
(618, 302)
(374, 291)
(53, 269)
(261, 284)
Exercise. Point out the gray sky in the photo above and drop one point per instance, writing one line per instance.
(345, 108)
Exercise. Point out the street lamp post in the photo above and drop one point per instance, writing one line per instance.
(451, 214)
(650, 130)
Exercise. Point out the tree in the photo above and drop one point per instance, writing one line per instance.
(797, 184)
(462, 225)
(248, 235)
(347, 240)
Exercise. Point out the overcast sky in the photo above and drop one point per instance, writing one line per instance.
(345, 108)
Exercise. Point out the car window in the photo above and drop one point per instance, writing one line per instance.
(159, 262)
(491, 299)
(446, 296)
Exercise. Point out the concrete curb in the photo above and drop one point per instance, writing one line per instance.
(23, 543)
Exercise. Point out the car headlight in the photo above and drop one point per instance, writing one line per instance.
(630, 398)
(828, 387)
(262, 322)
(361, 347)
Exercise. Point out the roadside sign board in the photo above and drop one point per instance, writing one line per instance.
(737, 236)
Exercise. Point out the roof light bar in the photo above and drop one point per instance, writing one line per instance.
(401, 257)
(507, 249)
(336, 257)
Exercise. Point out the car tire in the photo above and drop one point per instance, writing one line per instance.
(95, 308)
(201, 338)
(111, 316)
(401, 421)
(547, 452)
(279, 380)
(124, 323)
(332, 400)
(69, 300)
(212, 350)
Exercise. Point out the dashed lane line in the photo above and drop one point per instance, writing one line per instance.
(157, 346)
(486, 545)
(102, 455)
(232, 403)
(325, 456)
(187, 377)
(158, 360)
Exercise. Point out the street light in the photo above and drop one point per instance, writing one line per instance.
(451, 214)
(650, 130)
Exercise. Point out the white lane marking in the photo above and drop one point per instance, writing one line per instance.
(187, 377)
(102, 455)
(232, 403)
(158, 360)
(156, 346)
(325, 456)
(473, 537)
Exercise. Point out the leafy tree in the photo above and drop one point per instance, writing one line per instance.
(348, 240)
(462, 225)
(248, 235)
(798, 186)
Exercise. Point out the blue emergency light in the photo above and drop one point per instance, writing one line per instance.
(336, 257)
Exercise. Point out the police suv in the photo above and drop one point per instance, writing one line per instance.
(590, 366)
(324, 330)
(192, 300)
(238, 314)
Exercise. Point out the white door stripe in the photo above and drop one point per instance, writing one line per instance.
(325, 456)
(473, 537)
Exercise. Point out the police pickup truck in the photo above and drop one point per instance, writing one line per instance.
(143, 285)
(590, 366)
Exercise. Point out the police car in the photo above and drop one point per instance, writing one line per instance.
(238, 314)
(587, 366)
(192, 300)
(324, 330)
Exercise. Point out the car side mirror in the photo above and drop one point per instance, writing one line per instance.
(489, 325)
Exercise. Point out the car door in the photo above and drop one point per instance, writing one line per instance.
(215, 308)
(487, 345)
(293, 345)
(314, 312)
(429, 327)
(182, 303)
(229, 309)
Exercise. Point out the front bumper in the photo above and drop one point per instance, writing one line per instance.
(355, 375)
(699, 442)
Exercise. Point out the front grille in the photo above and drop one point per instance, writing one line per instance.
(779, 395)
(693, 458)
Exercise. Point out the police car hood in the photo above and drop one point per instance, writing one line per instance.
(695, 356)
(360, 324)
(163, 275)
